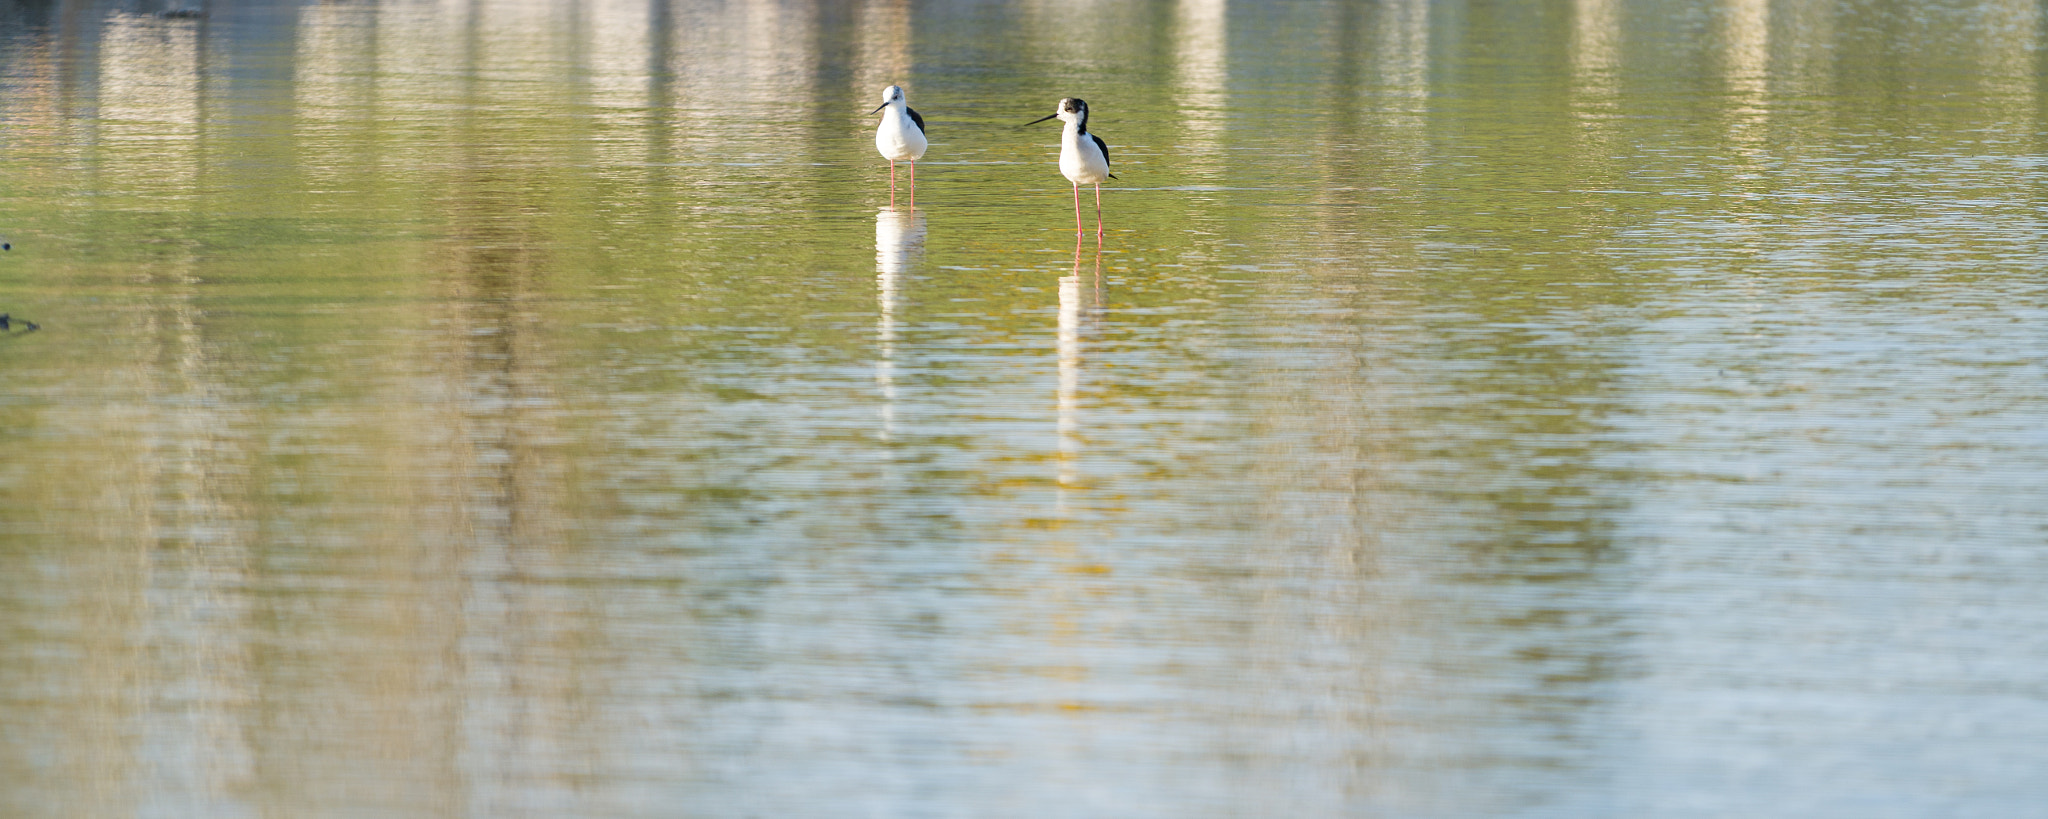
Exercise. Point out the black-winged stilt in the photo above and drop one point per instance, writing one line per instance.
(900, 138)
(1084, 157)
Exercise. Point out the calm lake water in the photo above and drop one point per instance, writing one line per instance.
(495, 408)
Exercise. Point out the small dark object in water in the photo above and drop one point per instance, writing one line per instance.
(6, 246)
(181, 14)
(7, 321)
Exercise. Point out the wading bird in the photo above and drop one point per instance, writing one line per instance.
(900, 138)
(1084, 157)
(7, 321)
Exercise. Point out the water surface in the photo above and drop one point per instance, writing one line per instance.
(1597, 408)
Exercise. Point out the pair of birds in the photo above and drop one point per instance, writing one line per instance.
(1084, 157)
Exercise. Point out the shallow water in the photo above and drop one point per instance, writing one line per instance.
(1599, 408)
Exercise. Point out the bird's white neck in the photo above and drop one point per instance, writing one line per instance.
(1072, 132)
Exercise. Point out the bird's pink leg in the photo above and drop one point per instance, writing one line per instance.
(913, 186)
(1077, 209)
(1098, 210)
(892, 184)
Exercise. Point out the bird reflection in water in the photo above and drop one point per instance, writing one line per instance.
(1076, 313)
(899, 241)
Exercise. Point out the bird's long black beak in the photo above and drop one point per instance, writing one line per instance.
(1042, 119)
(878, 109)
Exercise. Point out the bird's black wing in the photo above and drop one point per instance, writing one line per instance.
(915, 118)
(1104, 147)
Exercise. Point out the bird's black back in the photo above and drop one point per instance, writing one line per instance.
(1104, 148)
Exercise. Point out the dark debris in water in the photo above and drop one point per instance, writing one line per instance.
(7, 323)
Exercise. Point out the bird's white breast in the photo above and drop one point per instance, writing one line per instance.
(1080, 161)
(898, 138)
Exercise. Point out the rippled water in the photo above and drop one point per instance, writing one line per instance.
(1596, 408)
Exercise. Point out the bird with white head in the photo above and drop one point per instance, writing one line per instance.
(1084, 157)
(900, 138)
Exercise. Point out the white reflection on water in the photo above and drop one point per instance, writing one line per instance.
(899, 240)
(883, 57)
(1202, 78)
(620, 56)
(1402, 46)
(742, 76)
(1073, 314)
(149, 94)
(1596, 64)
(1745, 61)
(333, 92)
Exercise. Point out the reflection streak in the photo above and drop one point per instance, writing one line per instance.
(883, 56)
(1202, 73)
(2012, 37)
(1067, 423)
(1746, 31)
(899, 240)
(1595, 61)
